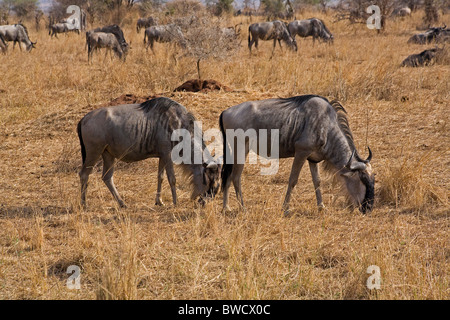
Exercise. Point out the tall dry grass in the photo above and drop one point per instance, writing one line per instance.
(186, 252)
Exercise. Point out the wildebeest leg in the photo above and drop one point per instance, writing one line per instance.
(274, 45)
(86, 170)
(279, 42)
(107, 177)
(171, 177)
(161, 166)
(297, 165)
(316, 181)
(237, 173)
(236, 176)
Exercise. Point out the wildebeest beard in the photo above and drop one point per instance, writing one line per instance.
(369, 197)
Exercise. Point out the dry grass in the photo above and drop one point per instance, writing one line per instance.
(147, 252)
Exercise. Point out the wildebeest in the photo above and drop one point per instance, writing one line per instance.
(145, 23)
(17, 33)
(424, 58)
(274, 30)
(62, 27)
(309, 128)
(99, 40)
(3, 45)
(117, 32)
(136, 132)
(311, 27)
(428, 36)
(163, 34)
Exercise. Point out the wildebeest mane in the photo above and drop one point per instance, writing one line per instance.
(24, 28)
(341, 114)
(162, 105)
(324, 28)
(343, 123)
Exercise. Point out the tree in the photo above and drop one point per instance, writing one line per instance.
(21, 8)
(431, 13)
(203, 38)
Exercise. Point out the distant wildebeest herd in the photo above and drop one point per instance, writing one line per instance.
(112, 39)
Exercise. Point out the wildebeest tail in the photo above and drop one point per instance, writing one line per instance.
(83, 148)
(227, 168)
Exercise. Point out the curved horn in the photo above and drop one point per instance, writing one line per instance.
(350, 160)
(369, 157)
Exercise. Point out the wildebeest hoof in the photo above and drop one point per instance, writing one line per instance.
(123, 205)
(201, 201)
(159, 203)
(287, 213)
(321, 208)
(226, 209)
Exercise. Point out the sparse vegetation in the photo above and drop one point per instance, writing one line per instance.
(188, 252)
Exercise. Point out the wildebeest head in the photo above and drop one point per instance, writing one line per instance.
(31, 45)
(360, 181)
(211, 179)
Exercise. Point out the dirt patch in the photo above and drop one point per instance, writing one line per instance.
(197, 85)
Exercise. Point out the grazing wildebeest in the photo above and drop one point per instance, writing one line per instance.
(136, 132)
(274, 30)
(309, 128)
(311, 27)
(145, 23)
(98, 40)
(163, 34)
(3, 45)
(17, 33)
(118, 33)
(62, 27)
(424, 58)
(428, 36)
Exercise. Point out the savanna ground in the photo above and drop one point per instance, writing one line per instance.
(186, 252)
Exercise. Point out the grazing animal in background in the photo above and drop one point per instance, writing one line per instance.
(136, 132)
(427, 37)
(99, 40)
(118, 33)
(313, 27)
(424, 58)
(62, 27)
(145, 23)
(3, 45)
(17, 33)
(274, 30)
(163, 34)
(309, 128)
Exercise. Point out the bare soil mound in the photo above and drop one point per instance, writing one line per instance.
(197, 85)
